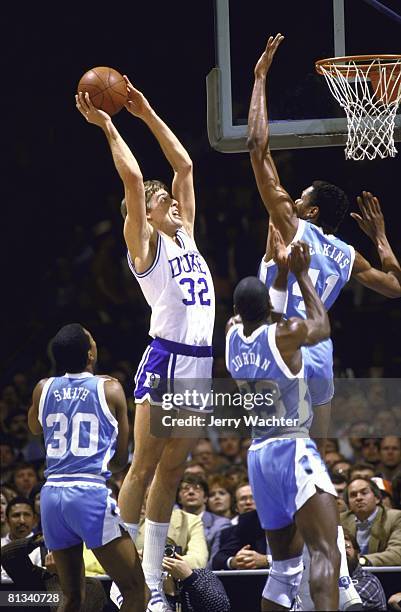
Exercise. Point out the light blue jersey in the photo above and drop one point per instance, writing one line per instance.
(258, 367)
(330, 268)
(79, 430)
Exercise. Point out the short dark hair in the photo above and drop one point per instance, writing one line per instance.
(373, 487)
(332, 202)
(361, 466)
(348, 536)
(19, 499)
(70, 348)
(376, 441)
(196, 479)
(251, 299)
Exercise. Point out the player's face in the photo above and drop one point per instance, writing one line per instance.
(303, 203)
(164, 211)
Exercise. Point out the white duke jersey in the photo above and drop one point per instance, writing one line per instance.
(79, 430)
(259, 369)
(178, 287)
(330, 268)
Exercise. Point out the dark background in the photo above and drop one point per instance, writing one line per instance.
(60, 266)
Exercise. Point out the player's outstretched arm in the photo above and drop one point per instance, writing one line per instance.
(277, 201)
(174, 151)
(137, 231)
(386, 281)
(295, 332)
(278, 291)
(116, 400)
(33, 412)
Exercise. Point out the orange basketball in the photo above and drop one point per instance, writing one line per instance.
(106, 88)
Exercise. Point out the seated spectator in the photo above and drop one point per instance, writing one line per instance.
(220, 499)
(341, 467)
(385, 490)
(340, 484)
(361, 470)
(24, 478)
(9, 456)
(204, 454)
(396, 488)
(4, 524)
(332, 457)
(390, 458)
(21, 519)
(368, 587)
(332, 445)
(193, 467)
(186, 531)
(377, 530)
(242, 546)
(17, 427)
(230, 448)
(370, 451)
(192, 496)
(235, 474)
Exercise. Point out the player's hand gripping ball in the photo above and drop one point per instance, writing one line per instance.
(106, 87)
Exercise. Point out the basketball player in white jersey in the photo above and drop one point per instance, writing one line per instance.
(177, 284)
(84, 422)
(314, 218)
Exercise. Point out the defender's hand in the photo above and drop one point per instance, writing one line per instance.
(137, 104)
(278, 248)
(265, 60)
(299, 258)
(89, 111)
(371, 220)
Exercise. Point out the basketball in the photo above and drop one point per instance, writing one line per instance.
(106, 88)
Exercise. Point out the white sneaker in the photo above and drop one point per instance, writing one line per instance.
(115, 595)
(158, 602)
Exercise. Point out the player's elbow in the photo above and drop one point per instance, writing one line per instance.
(256, 146)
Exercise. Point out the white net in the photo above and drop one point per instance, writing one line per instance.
(370, 93)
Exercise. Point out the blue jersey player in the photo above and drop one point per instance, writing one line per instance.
(84, 422)
(314, 218)
(289, 480)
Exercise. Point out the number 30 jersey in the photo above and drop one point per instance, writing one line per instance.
(79, 430)
(178, 287)
(330, 268)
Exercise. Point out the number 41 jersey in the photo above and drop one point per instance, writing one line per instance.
(79, 430)
(330, 268)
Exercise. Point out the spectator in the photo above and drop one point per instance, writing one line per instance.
(385, 490)
(193, 467)
(370, 451)
(245, 444)
(243, 498)
(21, 519)
(361, 470)
(369, 587)
(340, 484)
(235, 474)
(230, 448)
(17, 426)
(4, 525)
(25, 478)
(8, 457)
(390, 458)
(396, 487)
(203, 453)
(332, 457)
(377, 530)
(192, 496)
(341, 467)
(220, 498)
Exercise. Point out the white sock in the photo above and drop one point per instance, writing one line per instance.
(132, 529)
(348, 592)
(153, 552)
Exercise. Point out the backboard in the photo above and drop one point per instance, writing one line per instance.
(302, 112)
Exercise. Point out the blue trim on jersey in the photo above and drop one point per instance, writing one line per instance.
(75, 477)
(182, 349)
(152, 266)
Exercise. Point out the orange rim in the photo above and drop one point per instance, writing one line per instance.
(363, 62)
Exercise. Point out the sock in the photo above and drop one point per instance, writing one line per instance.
(132, 529)
(348, 593)
(153, 552)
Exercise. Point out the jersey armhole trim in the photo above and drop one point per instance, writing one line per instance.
(42, 400)
(152, 265)
(228, 338)
(271, 335)
(352, 261)
(103, 403)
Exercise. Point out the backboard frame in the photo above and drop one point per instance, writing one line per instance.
(226, 137)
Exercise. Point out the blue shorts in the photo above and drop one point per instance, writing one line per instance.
(284, 474)
(172, 368)
(78, 513)
(318, 360)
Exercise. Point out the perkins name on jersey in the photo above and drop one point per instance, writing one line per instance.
(329, 250)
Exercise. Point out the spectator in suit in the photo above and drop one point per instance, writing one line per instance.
(368, 586)
(193, 493)
(376, 528)
(243, 545)
(390, 458)
(21, 519)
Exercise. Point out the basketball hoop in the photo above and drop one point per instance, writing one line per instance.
(368, 87)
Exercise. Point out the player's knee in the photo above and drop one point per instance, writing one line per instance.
(142, 471)
(325, 562)
(283, 583)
